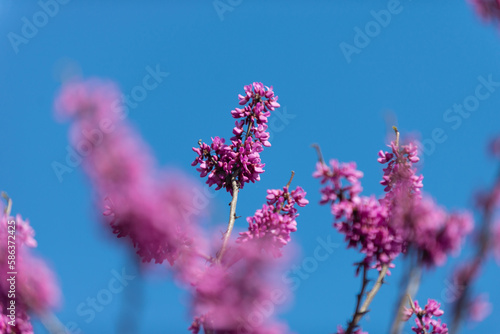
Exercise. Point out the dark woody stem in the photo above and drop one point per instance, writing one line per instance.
(361, 310)
(484, 244)
(278, 209)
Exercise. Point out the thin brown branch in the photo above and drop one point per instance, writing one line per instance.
(318, 151)
(412, 280)
(361, 311)
(291, 178)
(232, 217)
(397, 135)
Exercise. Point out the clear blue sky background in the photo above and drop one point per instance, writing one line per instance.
(428, 58)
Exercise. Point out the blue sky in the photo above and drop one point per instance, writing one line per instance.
(431, 56)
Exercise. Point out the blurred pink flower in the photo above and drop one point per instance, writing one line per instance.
(36, 288)
(154, 208)
(487, 9)
(479, 308)
(238, 296)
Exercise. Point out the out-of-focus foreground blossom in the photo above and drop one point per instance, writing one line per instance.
(34, 288)
(496, 242)
(488, 9)
(238, 296)
(157, 210)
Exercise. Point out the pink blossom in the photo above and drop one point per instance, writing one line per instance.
(479, 308)
(431, 230)
(367, 229)
(419, 221)
(425, 324)
(399, 175)
(241, 158)
(276, 220)
(363, 220)
(36, 287)
(343, 179)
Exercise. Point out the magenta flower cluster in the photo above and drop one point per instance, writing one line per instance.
(363, 220)
(417, 219)
(276, 220)
(424, 318)
(382, 229)
(400, 179)
(240, 159)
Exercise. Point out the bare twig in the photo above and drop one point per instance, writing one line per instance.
(409, 286)
(232, 217)
(290, 181)
(361, 311)
(318, 151)
(8, 208)
(397, 135)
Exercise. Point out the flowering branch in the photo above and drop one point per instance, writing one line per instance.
(418, 314)
(424, 317)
